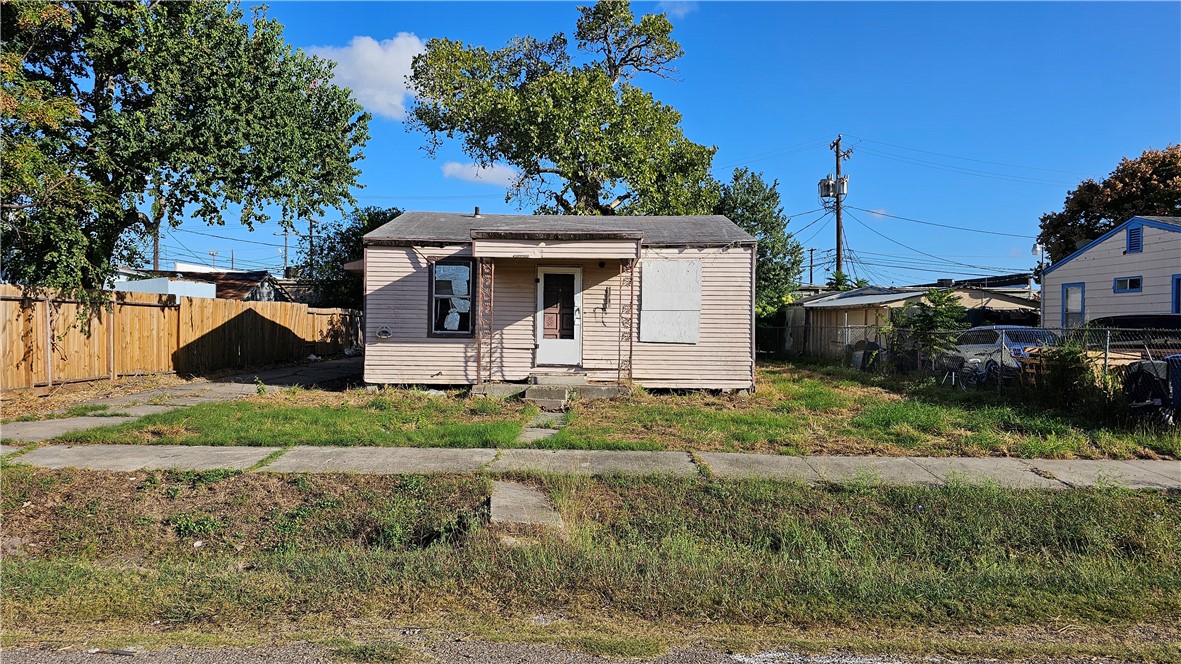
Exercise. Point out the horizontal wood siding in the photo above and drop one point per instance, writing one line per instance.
(395, 296)
(555, 249)
(722, 357)
(1100, 265)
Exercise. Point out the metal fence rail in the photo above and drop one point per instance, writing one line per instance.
(866, 346)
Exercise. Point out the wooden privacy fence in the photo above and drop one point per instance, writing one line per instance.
(143, 333)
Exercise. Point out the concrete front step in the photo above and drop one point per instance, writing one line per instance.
(558, 379)
(536, 392)
(551, 405)
(520, 508)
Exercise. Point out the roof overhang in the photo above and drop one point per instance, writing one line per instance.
(357, 266)
(550, 244)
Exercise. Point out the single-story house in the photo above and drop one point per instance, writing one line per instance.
(1135, 268)
(247, 286)
(462, 299)
(838, 321)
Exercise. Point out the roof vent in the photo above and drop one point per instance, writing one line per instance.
(477, 212)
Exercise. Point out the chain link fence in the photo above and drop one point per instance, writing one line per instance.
(1134, 362)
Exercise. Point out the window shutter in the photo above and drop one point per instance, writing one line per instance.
(1135, 239)
(670, 301)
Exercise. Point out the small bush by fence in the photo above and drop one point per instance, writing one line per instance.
(143, 334)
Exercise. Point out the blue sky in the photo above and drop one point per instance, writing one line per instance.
(977, 115)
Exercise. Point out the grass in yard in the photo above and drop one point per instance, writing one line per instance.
(109, 550)
(84, 410)
(821, 409)
(313, 417)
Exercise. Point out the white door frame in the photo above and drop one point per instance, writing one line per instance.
(557, 352)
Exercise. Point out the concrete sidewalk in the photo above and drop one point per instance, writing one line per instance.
(933, 471)
(129, 407)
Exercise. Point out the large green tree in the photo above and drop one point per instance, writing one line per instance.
(1147, 185)
(121, 117)
(335, 244)
(583, 138)
(750, 202)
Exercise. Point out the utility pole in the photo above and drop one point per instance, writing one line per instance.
(231, 260)
(156, 250)
(839, 191)
(811, 254)
(285, 234)
(213, 258)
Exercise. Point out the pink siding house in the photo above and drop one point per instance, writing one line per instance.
(468, 299)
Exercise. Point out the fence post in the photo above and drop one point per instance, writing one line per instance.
(48, 344)
(111, 337)
(1106, 350)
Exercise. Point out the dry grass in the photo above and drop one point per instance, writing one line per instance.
(38, 401)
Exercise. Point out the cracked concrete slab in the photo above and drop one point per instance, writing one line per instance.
(874, 470)
(516, 506)
(1006, 472)
(144, 457)
(47, 429)
(595, 462)
(143, 410)
(1087, 473)
(9, 449)
(1169, 468)
(763, 466)
(380, 460)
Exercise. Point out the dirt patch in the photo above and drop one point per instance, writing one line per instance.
(36, 401)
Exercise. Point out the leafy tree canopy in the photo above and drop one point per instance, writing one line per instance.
(336, 244)
(930, 320)
(1147, 185)
(582, 137)
(843, 282)
(183, 107)
(755, 206)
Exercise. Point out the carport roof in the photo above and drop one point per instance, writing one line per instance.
(458, 228)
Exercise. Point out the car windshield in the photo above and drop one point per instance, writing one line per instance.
(1032, 337)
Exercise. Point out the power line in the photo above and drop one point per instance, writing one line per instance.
(957, 228)
(818, 231)
(917, 251)
(964, 171)
(807, 225)
(800, 147)
(980, 161)
(231, 239)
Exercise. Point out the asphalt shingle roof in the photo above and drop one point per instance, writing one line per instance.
(654, 231)
(1176, 221)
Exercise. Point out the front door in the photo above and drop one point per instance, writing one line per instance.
(559, 316)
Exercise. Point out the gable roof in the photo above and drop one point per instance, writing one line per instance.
(1172, 224)
(460, 228)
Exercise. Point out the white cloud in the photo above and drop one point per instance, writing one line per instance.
(494, 174)
(678, 8)
(376, 71)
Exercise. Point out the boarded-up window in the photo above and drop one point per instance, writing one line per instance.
(670, 301)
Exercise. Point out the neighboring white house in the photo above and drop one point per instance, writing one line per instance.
(1135, 268)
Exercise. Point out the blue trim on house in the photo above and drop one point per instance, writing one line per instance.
(1138, 246)
(1177, 293)
(1083, 310)
(1116, 289)
(1147, 223)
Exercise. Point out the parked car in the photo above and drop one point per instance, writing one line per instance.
(992, 352)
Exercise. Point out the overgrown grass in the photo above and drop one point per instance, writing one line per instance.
(306, 417)
(826, 409)
(659, 550)
(83, 410)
